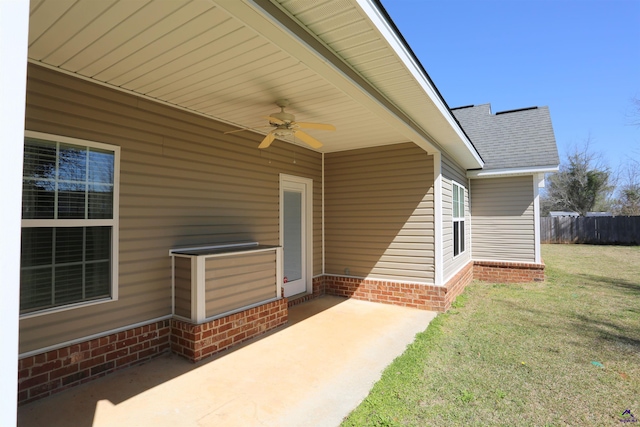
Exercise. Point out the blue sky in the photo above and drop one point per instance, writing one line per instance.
(581, 58)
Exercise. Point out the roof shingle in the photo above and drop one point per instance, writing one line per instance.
(511, 139)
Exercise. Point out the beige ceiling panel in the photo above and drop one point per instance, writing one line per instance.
(197, 54)
(187, 59)
(180, 72)
(141, 29)
(44, 17)
(300, 88)
(67, 26)
(341, 27)
(393, 78)
(245, 74)
(173, 31)
(309, 9)
(372, 60)
(366, 53)
(233, 66)
(92, 31)
(177, 74)
(108, 49)
(358, 44)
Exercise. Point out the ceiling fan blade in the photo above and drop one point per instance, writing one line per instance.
(266, 142)
(275, 120)
(321, 126)
(307, 139)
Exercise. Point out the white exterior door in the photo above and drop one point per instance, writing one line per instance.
(295, 233)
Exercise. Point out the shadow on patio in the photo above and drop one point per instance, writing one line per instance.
(313, 371)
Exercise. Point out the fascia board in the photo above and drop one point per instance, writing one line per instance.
(253, 14)
(499, 173)
(389, 34)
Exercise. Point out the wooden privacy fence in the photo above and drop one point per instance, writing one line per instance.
(611, 230)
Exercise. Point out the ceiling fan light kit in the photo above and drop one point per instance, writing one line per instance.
(285, 125)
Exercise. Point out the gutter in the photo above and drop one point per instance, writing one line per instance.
(498, 173)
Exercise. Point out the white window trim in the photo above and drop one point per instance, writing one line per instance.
(463, 218)
(114, 223)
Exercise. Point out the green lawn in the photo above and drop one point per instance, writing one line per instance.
(562, 352)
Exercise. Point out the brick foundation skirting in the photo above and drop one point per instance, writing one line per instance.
(415, 295)
(47, 373)
(196, 342)
(57, 370)
(457, 283)
(508, 272)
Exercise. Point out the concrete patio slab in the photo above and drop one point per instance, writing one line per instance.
(312, 372)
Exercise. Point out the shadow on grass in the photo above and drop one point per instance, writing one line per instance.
(610, 319)
(623, 285)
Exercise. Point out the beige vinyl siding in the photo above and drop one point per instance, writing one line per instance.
(452, 172)
(183, 183)
(236, 281)
(182, 279)
(379, 213)
(503, 219)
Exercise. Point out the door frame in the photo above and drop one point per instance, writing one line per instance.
(308, 223)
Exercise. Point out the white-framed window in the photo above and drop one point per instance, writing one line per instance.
(458, 219)
(69, 253)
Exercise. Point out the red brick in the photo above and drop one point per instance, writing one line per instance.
(75, 377)
(146, 353)
(64, 371)
(117, 354)
(27, 362)
(102, 350)
(44, 389)
(90, 363)
(126, 360)
(46, 367)
(33, 381)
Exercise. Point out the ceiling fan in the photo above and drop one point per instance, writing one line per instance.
(284, 124)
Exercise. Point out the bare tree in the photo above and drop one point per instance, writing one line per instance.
(583, 183)
(627, 201)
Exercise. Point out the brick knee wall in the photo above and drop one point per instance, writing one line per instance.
(455, 286)
(508, 272)
(415, 295)
(196, 342)
(57, 370)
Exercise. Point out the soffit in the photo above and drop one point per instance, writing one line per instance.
(347, 29)
(214, 59)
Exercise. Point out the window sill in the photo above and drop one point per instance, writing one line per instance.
(55, 310)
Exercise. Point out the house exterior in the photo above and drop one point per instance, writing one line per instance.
(518, 147)
(147, 227)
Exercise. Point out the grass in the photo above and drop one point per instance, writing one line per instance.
(561, 352)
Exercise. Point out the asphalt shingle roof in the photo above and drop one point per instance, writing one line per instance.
(511, 139)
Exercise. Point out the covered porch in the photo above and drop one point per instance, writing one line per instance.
(313, 371)
(178, 101)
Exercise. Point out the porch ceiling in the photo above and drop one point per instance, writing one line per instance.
(232, 59)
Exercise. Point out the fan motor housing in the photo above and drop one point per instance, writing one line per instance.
(285, 117)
